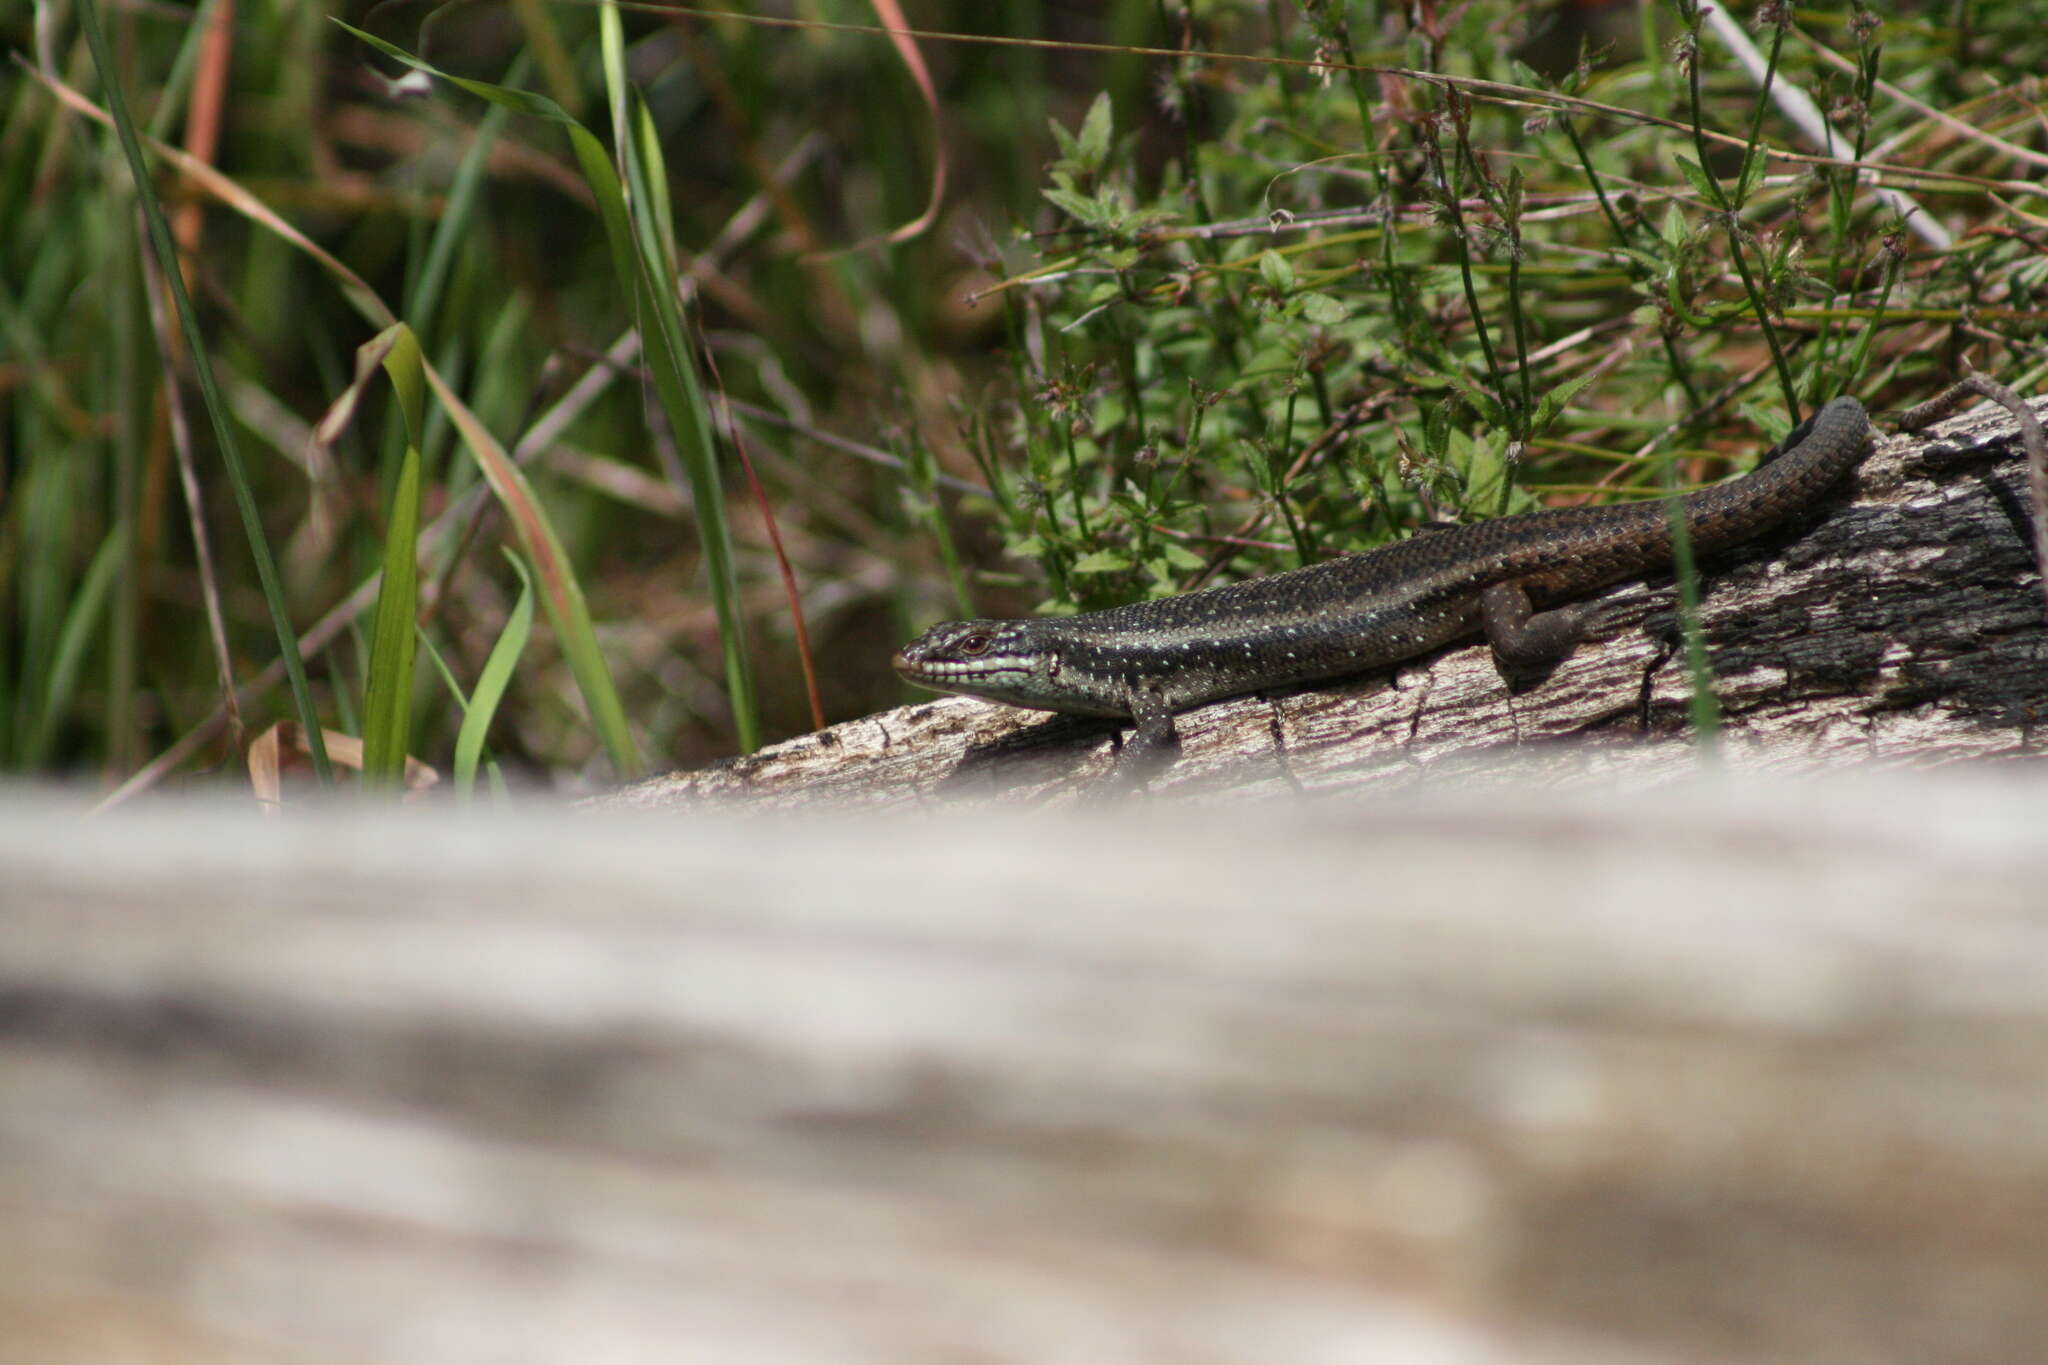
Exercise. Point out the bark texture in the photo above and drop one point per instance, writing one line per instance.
(1903, 623)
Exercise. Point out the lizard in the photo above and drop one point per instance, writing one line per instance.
(1512, 578)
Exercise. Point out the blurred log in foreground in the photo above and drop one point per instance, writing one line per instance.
(1711, 1074)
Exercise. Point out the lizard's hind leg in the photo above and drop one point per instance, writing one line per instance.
(1525, 640)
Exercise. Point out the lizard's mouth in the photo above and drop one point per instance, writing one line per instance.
(951, 670)
(995, 679)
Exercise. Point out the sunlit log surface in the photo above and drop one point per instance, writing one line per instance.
(1716, 1073)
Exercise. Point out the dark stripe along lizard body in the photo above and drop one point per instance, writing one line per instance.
(1366, 611)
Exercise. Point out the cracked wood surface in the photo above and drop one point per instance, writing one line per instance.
(1902, 623)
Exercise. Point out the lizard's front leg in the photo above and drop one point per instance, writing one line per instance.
(1156, 742)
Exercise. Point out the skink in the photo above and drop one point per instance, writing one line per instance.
(1507, 578)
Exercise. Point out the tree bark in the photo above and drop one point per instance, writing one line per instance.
(1904, 623)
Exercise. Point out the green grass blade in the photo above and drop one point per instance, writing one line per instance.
(403, 363)
(209, 389)
(387, 709)
(568, 612)
(387, 706)
(491, 684)
(73, 640)
(668, 345)
(640, 259)
(560, 593)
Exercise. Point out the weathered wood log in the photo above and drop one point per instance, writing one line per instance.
(1724, 1073)
(1904, 624)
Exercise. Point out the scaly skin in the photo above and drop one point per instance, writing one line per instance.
(1361, 612)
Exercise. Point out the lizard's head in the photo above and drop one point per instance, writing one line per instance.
(1001, 660)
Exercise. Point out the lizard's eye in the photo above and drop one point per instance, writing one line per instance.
(976, 643)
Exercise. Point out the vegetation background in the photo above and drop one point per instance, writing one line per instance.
(1205, 290)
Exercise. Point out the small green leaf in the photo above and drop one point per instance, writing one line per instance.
(1701, 183)
(1752, 174)
(1673, 228)
(1102, 561)
(1273, 266)
(1180, 556)
(1079, 207)
(1093, 144)
(1268, 360)
(1552, 403)
(1322, 309)
(1070, 150)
